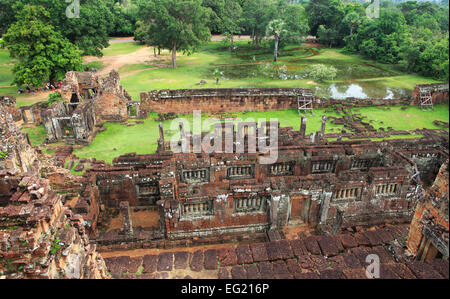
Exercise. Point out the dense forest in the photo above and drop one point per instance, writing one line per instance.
(413, 35)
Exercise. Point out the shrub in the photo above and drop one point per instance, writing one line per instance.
(321, 72)
(53, 97)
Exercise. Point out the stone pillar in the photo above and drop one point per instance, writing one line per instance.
(161, 138)
(303, 127)
(275, 200)
(183, 138)
(324, 123)
(127, 224)
(325, 199)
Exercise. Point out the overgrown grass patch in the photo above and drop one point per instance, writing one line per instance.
(121, 48)
(119, 139)
(37, 134)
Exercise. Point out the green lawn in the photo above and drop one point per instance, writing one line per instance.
(120, 139)
(37, 134)
(410, 119)
(121, 49)
(6, 76)
(94, 64)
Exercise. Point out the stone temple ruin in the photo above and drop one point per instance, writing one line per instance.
(87, 102)
(324, 200)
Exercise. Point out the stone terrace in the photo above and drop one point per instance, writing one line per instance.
(306, 257)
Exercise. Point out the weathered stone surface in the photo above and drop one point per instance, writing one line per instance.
(227, 257)
(351, 261)
(373, 238)
(252, 271)
(385, 235)
(355, 273)
(401, 271)
(423, 270)
(285, 249)
(348, 241)
(211, 259)
(384, 254)
(337, 262)
(308, 275)
(332, 274)
(280, 270)
(441, 266)
(328, 246)
(266, 270)
(197, 261)
(273, 251)
(319, 263)
(244, 254)
(165, 261)
(293, 266)
(312, 246)
(362, 240)
(361, 253)
(298, 247)
(238, 272)
(181, 259)
(161, 275)
(337, 242)
(150, 263)
(387, 273)
(224, 273)
(259, 252)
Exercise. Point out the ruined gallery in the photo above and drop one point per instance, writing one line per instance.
(327, 202)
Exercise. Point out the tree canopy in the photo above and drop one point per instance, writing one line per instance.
(178, 25)
(89, 32)
(43, 54)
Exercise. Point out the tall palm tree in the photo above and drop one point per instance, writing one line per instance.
(275, 28)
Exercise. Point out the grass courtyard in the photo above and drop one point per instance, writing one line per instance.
(119, 139)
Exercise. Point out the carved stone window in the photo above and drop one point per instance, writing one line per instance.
(148, 190)
(190, 176)
(196, 209)
(250, 204)
(240, 172)
(322, 166)
(347, 193)
(362, 164)
(283, 168)
(386, 189)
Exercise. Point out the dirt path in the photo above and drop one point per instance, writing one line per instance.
(141, 56)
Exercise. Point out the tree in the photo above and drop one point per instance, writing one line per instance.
(6, 15)
(42, 53)
(352, 18)
(89, 32)
(295, 20)
(256, 16)
(226, 17)
(124, 17)
(275, 28)
(329, 13)
(177, 25)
